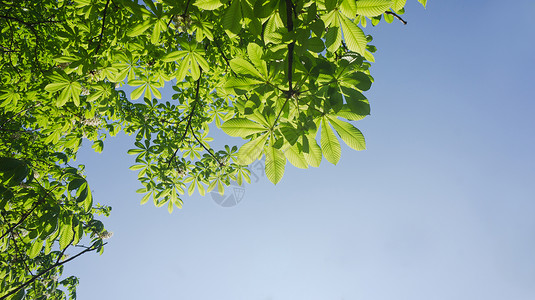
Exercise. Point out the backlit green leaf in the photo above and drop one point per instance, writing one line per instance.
(275, 163)
(330, 146)
(372, 8)
(242, 127)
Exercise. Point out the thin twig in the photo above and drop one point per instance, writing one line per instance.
(205, 148)
(190, 116)
(57, 264)
(396, 16)
(26, 215)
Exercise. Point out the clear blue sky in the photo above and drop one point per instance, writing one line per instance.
(441, 206)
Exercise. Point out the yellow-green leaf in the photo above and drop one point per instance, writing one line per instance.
(251, 150)
(275, 163)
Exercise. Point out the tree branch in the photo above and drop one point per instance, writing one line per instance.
(205, 148)
(290, 26)
(396, 16)
(102, 28)
(190, 116)
(57, 264)
(26, 215)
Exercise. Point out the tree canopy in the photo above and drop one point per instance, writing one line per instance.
(286, 76)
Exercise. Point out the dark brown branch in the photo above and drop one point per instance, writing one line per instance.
(26, 215)
(102, 28)
(190, 116)
(290, 26)
(396, 16)
(205, 148)
(57, 264)
(17, 252)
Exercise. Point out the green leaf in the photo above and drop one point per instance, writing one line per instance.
(139, 28)
(241, 83)
(296, 158)
(12, 171)
(423, 2)
(18, 295)
(35, 249)
(98, 146)
(372, 8)
(232, 19)
(353, 35)
(333, 38)
(397, 5)
(183, 69)
(313, 156)
(255, 53)
(241, 66)
(137, 167)
(208, 4)
(66, 234)
(170, 205)
(330, 4)
(349, 134)
(242, 127)
(88, 201)
(251, 150)
(76, 183)
(138, 92)
(329, 143)
(174, 56)
(349, 8)
(145, 198)
(275, 163)
(56, 86)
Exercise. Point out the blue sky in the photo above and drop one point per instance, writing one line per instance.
(440, 206)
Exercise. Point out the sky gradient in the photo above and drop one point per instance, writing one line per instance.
(440, 206)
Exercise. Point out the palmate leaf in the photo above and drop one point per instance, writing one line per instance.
(372, 8)
(275, 163)
(242, 127)
(138, 92)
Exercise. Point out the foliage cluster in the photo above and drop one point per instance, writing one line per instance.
(281, 74)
